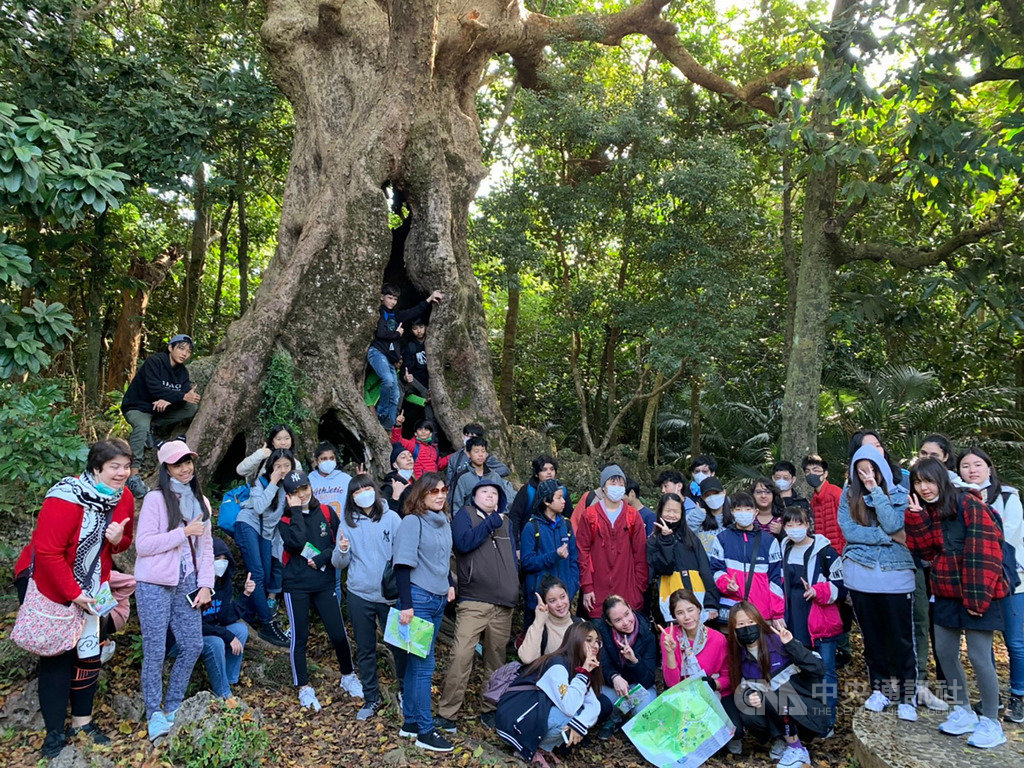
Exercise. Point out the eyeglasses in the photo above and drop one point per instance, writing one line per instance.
(762, 492)
(437, 491)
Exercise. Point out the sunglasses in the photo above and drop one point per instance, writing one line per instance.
(437, 491)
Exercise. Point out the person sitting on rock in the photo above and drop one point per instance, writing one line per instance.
(160, 395)
(224, 630)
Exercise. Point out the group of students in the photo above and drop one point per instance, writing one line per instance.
(752, 592)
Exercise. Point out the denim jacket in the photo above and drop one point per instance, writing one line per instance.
(871, 544)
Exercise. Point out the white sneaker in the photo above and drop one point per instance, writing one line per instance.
(877, 701)
(778, 748)
(107, 651)
(350, 683)
(907, 712)
(794, 757)
(988, 734)
(926, 698)
(960, 721)
(307, 698)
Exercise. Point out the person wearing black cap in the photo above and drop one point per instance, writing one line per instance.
(713, 513)
(160, 395)
(309, 530)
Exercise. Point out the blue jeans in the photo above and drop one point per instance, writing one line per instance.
(419, 672)
(387, 406)
(223, 666)
(1013, 635)
(557, 720)
(826, 648)
(257, 554)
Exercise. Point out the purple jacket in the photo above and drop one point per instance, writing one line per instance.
(159, 551)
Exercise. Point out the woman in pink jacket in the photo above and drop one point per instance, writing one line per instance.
(174, 574)
(691, 649)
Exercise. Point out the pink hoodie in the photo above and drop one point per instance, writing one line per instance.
(713, 659)
(159, 551)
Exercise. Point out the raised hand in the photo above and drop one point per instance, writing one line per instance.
(542, 608)
(662, 527)
(867, 477)
(914, 503)
(668, 642)
(627, 651)
(591, 662)
(195, 528)
(784, 634)
(435, 297)
(563, 551)
(343, 542)
(292, 500)
(808, 590)
(400, 418)
(115, 532)
(775, 526)
(191, 396)
(731, 585)
(250, 585)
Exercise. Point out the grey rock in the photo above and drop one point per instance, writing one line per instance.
(22, 709)
(204, 710)
(70, 757)
(128, 707)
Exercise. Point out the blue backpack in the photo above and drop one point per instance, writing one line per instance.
(230, 506)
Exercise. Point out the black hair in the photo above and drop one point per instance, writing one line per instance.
(425, 424)
(323, 448)
(278, 453)
(934, 471)
(548, 582)
(474, 429)
(670, 476)
(784, 466)
(107, 450)
(163, 486)
(352, 509)
(794, 514)
(702, 459)
(742, 499)
(390, 289)
(813, 459)
(418, 320)
(947, 448)
(770, 485)
(666, 498)
(274, 430)
(538, 464)
(476, 442)
(858, 439)
(995, 485)
(632, 486)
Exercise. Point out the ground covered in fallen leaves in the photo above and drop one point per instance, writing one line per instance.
(333, 737)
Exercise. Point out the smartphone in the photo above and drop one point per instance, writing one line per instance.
(191, 597)
(565, 736)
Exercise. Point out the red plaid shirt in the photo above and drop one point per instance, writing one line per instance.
(973, 576)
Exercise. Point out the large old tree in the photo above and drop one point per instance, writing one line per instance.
(384, 100)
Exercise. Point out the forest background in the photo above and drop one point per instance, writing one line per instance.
(667, 262)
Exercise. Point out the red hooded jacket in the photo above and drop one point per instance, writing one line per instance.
(613, 560)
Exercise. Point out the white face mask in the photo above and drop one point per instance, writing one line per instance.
(327, 466)
(716, 501)
(220, 567)
(783, 485)
(700, 477)
(405, 473)
(614, 493)
(796, 535)
(364, 499)
(744, 519)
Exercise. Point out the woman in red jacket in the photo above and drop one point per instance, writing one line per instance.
(959, 535)
(83, 519)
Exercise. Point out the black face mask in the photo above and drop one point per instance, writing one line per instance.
(814, 481)
(748, 635)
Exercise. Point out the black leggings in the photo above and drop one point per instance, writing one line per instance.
(63, 678)
(325, 603)
(887, 625)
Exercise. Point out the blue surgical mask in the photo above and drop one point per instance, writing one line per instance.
(715, 502)
(796, 535)
(364, 499)
(104, 489)
(327, 466)
(615, 493)
(744, 519)
(700, 477)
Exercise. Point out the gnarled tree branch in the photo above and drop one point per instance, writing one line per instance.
(917, 257)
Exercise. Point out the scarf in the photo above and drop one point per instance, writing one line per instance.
(96, 511)
(188, 504)
(699, 641)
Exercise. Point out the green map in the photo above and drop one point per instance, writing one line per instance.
(415, 637)
(681, 728)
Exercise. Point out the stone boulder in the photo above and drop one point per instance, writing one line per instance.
(205, 711)
(21, 711)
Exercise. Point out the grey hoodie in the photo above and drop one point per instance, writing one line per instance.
(370, 548)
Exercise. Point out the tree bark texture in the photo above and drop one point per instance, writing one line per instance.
(190, 291)
(146, 277)
(225, 223)
(383, 94)
(99, 267)
(506, 384)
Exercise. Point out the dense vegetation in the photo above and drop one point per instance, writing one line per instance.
(643, 245)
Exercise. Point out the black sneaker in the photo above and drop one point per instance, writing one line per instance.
(607, 730)
(444, 724)
(90, 730)
(976, 706)
(843, 659)
(408, 730)
(53, 744)
(487, 718)
(273, 634)
(1014, 710)
(434, 741)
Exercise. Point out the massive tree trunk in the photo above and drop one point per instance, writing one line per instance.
(146, 278)
(190, 290)
(508, 346)
(383, 95)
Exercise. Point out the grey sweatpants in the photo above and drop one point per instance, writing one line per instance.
(162, 608)
(979, 651)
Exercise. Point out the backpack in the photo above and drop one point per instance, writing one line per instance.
(229, 508)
